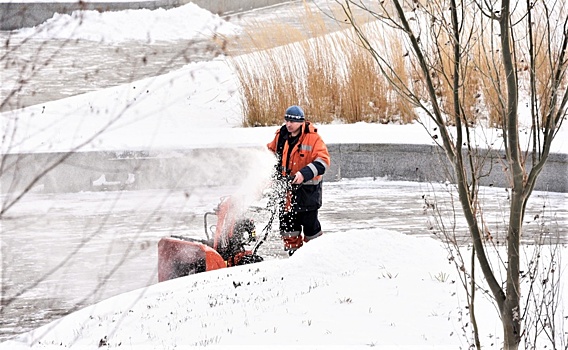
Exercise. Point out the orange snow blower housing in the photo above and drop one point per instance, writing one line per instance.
(181, 256)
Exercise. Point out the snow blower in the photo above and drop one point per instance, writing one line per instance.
(181, 256)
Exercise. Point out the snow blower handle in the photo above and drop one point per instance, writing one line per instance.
(293, 178)
(290, 183)
(206, 225)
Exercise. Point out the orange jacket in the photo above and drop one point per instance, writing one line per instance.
(309, 156)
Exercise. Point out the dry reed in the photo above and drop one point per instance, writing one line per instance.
(333, 77)
(330, 76)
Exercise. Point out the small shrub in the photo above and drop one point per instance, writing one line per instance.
(441, 277)
(388, 275)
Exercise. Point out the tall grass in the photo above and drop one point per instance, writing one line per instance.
(331, 76)
(364, 93)
(321, 75)
(401, 76)
(485, 57)
(265, 96)
(545, 64)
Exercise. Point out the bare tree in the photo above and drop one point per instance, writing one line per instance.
(472, 63)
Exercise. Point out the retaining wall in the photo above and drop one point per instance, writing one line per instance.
(93, 171)
(16, 14)
(425, 163)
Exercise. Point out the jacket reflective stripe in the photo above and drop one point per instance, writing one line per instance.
(305, 148)
(308, 238)
(313, 181)
(290, 234)
(313, 169)
(322, 162)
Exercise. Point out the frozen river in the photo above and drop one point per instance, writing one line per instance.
(61, 252)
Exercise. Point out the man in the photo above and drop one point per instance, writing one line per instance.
(302, 159)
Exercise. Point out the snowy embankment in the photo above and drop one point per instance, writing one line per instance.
(352, 289)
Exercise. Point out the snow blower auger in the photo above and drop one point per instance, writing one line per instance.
(181, 256)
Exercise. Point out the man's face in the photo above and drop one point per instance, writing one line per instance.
(293, 127)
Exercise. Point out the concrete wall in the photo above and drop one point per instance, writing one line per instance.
(429, 164)
(16, 15)
(208, 167)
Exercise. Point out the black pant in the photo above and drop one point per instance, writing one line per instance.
(291, 223)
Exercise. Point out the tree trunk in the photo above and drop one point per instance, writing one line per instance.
(510, 313)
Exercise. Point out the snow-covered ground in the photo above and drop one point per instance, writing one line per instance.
(357, 289)
(353, 289)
